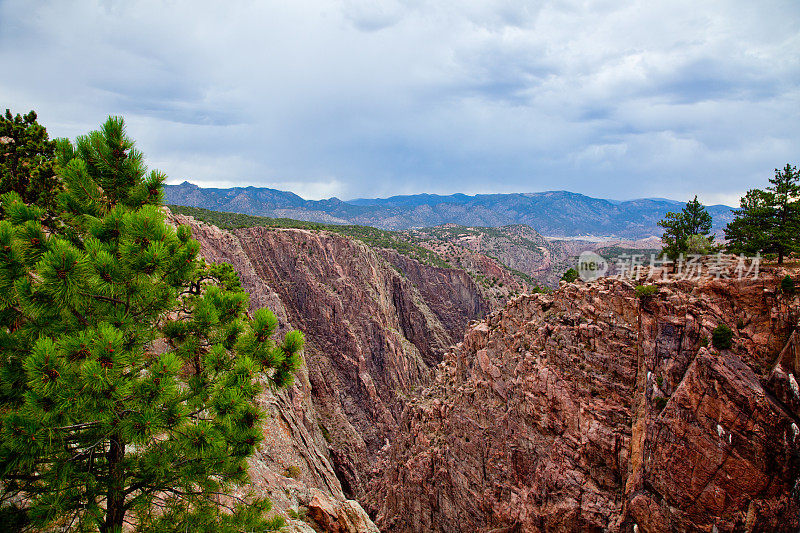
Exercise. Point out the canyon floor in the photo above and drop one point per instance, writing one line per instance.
(430, 401)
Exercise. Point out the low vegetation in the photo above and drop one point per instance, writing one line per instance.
(787, 286)
(644, 292)
(375, 237)
(721, 337)
(660, 402)
(292, 471)
(570, 275)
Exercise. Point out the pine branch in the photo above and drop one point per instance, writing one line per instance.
(83, 425)
(105, 298)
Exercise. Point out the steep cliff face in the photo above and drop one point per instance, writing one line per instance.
(451, 294)
(372, 338)
(495, 280)
(590, 410)
(584, 410)
(723, 452)
(376, 323)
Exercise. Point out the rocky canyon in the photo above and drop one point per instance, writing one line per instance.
(426, 405)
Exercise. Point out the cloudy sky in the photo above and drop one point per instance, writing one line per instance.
(365, 98)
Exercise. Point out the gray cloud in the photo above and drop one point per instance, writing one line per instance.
(360, 98)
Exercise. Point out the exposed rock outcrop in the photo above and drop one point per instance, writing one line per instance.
(519, 247)
(588, 409)
(371, 335)
(449, 293)
(592, 410)
(376, 323)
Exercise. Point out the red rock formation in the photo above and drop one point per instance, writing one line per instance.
(375, 325)
(584, 410)
(372, 337)
(449, 293)
(589, 410)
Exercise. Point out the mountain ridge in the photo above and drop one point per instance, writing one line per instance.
(551, 213)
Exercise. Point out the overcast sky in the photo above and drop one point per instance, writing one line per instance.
(365, 98)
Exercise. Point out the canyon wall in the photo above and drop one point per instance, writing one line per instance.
(593, 410)
(376, 324)
(588, 409)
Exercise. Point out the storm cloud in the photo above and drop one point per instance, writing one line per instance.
(360, 98)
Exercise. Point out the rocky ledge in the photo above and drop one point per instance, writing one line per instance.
(593, 410)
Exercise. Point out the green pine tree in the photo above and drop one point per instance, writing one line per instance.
(786, 193)
(128, 368)
(679, 228)
(696, 220)
(749, 231)
(26, 160)
(768, 221)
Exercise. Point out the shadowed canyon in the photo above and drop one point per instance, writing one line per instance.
(426, 405)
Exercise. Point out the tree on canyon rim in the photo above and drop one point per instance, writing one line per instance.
(768, 221)
(687, 229)
(128, 367)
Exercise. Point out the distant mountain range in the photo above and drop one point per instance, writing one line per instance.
(552, 213)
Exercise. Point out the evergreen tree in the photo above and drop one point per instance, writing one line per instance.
(785, 193)
(696, 220)
(693, 220)
(26, 160)
(128, 368)
(749, 232)
(768, 221)
(674, 236)
(570, 275)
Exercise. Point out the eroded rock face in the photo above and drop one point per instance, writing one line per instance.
(721, 452)
(375, 327)
(590, 410)
(584, 410)
(516, 431)
(372, 338)
(338, 518)
(450, 294)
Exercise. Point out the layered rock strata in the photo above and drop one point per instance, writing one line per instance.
(593, 410)
(376, 324)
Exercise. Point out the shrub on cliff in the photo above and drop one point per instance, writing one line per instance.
(722, 337)
(128, 369)
(699, 245)
(787, 286)
(570, 275)
(660, 403)
(644, 292)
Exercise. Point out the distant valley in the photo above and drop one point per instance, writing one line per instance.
(559, 214)
(503, 261)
